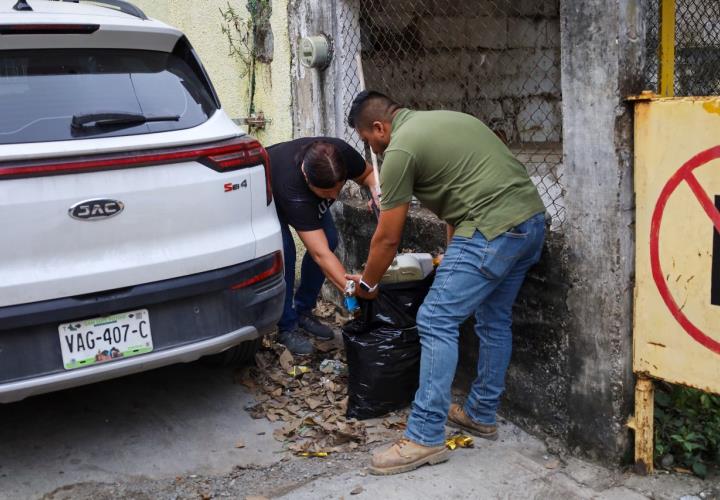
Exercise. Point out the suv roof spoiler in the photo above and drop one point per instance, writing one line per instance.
(121, 5)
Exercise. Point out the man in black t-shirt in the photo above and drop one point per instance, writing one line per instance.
(307, 176)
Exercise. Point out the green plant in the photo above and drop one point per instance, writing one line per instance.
(249, 40)
(687, 428)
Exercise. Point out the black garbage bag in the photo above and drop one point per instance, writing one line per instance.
(383, 350)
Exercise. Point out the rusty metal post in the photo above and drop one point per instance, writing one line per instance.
(642, 424)
(666, 77)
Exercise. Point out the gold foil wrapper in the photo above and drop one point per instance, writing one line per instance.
(459, 441)
(296, 371)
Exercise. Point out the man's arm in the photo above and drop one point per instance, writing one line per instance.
(368, 179)
(383, 247)
(317, 245)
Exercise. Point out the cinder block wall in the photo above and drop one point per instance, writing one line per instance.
(499, 63)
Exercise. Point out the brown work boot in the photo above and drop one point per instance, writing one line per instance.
(459, 419)
(404, 456)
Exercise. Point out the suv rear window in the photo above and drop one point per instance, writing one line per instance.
(41, 91)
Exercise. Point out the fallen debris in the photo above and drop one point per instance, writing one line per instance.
(333, 366)
(398, 422)
(308, 394)
(286, 360)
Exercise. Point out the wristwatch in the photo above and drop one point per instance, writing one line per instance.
(366, 287)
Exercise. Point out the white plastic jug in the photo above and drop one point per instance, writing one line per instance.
(409, 267)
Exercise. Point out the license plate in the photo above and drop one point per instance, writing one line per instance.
(99, 340)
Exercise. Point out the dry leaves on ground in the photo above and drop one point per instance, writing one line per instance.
(309, 402)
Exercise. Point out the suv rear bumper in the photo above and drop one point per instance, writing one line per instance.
(190, 317)
(15, 391)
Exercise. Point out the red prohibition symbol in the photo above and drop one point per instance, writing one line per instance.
(684, 174)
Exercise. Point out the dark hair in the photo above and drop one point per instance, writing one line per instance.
(323, 164)
(370, 106)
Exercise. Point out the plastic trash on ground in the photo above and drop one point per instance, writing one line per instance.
(333, 366)
(459, 441)
(383, 350)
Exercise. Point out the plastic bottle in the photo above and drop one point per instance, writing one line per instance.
(351, 303)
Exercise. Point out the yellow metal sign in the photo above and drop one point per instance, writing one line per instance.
(677, 294)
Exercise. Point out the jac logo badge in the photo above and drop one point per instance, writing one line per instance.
(101, 208)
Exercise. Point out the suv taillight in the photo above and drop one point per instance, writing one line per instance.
(225, 156)
(243, 154)
(276, 267)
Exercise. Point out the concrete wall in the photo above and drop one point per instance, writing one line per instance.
(201, 21)
(321, 98)
(602, 64)
(313, 90)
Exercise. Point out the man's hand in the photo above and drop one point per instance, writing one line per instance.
(373, 202)
(375, 197)
(359, 292)
(374, 207)
(368, 180)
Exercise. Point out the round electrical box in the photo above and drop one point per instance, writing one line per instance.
(315, 51)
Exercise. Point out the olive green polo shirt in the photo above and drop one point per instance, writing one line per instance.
(460, 170)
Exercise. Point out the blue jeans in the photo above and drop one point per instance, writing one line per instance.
(312, 278)
(481, 277)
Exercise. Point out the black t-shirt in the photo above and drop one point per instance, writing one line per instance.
(296, 204)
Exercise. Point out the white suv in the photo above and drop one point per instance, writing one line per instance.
(137, 219)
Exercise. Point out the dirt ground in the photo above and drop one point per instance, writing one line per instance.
(241, 482)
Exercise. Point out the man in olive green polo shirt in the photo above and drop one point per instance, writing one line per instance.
(459, 169)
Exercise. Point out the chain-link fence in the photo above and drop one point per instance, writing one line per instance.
(697, 47)
(498, 60)
(652, 44)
